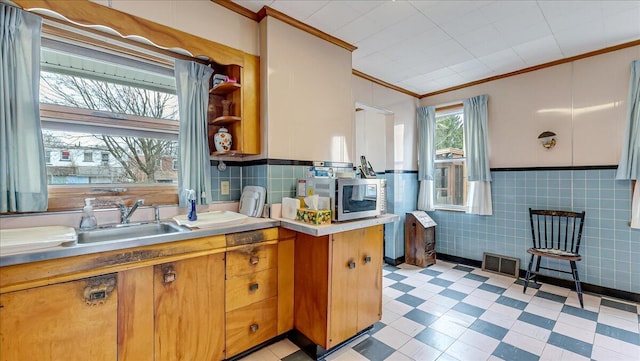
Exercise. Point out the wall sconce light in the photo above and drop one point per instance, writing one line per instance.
(547, 138)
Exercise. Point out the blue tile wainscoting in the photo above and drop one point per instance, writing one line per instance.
(610, 248)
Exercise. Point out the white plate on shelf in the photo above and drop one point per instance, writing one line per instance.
(27, 239)
(211, 219)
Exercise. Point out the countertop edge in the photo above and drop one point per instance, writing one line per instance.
(336, 227)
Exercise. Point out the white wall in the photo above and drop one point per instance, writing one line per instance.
(198, 17)
(401, 126)
(584, 102)
(371, 138)
(306, 82)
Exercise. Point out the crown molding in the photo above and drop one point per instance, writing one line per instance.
(239, 9)
(383, 83)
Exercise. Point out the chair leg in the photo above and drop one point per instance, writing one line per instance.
(528, 275)
(576, 279)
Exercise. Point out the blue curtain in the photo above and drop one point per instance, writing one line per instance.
(629, 166)
(476, 138)
(426, 155)
(194, 166)
(23, 179)
(477, 154)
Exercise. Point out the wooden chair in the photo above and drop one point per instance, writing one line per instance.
(556, 234)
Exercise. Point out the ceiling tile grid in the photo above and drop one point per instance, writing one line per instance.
(425, 46)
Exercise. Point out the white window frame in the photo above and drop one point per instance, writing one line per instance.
(442, 112)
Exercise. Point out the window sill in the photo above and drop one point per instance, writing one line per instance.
(450, 209)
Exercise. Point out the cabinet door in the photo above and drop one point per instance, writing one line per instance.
(370, 276)
(343, 304)
(67, 321)
(189, 309)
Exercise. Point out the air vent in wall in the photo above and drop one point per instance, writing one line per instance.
(503, 265)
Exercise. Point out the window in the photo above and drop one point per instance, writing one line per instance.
(450, 162)
(104, 157)
(88, 156)
(47, 156)
(65, 155)
(175, 164)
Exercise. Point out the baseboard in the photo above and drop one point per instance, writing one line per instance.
(586, 287)
(314, 351)
(392, 261)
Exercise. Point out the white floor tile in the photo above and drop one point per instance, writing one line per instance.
(462, 288)
(448, 327)
(414, 281)
(389, 316)
(432, 288)
(348, 355)
(575, 321)
(524, 342)
(453, 275)
(392, 293)
(469, 282)
(553, 353)
(485, 294)
(283, 348)
(386, 282)
(498, 319)
(433, 308)
(574, 332)
(591, 303)
(505, 310)
(459, 318)
(478, 302)
(466, 352)
(560, 291)
(515, 292)
(600, 353)
(443, 300)
(422, 293)
(538, 333)
(392, 337)
(618, 318)
(407, 326)
(397, 307)
(417, 350)
(613, 344)
(398, 356)
(543, 310)
(501, 281)
(261, 355)
(480, 341)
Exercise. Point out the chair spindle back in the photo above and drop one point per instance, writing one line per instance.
(560, 230)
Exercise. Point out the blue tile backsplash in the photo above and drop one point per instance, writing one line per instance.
(610, 248)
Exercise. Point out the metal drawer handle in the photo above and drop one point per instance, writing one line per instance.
(254, 260)
(253, 287)
(168, 274)
(254, 328)
(367, 259)
(99, 289)
(352, 264)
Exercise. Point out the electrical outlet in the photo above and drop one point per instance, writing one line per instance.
(224, 188)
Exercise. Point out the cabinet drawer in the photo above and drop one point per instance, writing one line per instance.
(251, 288)
(252, 258)
(251, 325)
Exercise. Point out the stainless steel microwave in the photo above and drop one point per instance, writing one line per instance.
(349, 198)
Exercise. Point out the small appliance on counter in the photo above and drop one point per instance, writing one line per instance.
(252, 201)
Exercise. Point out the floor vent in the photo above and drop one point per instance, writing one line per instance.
(503, 265)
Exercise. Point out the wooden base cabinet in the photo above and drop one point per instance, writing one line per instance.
(338, 284)
(68, 321)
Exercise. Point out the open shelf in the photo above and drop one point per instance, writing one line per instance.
(228, 153)
(225, 120)
(224, 88)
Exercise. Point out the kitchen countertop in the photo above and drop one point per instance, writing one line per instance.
(250, 224)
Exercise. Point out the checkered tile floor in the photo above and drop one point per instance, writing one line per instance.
(455, 312)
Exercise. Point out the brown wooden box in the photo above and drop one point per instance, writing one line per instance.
(419, 242)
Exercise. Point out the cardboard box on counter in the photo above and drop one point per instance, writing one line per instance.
(315, 217)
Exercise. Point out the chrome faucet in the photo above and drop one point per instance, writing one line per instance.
(126, 213)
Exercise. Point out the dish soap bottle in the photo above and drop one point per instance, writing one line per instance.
(88, 220)
(191, 196)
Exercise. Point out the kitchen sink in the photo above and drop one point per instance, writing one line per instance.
(121, 232)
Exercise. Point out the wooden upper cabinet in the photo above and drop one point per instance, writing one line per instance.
(189, 309)
(66, 321)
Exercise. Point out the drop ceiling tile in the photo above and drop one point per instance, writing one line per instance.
(465, 23)
(581, 39)
(498, 11)
(334, 15)
(364, 6)
(427, 65)
(443, 11)
(503, 61)
(300, 10)
(452, 80)
(622, 27)
(525, 34)
(391, 12)
(358, 30)
(254, 5)
(565, 15)
(539, 51)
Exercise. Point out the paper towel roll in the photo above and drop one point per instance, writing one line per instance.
(289, 207)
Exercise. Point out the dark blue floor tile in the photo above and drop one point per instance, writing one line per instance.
(579, 312)
(571, 344)
(512, 353)
(463, 268)
(435, 339)
(421, 317)
(489, 329)
(551, 296)
(468, 309)
(537, 320)
(297, 356)
(478, 278)
(531, 284)
(440, 282)
(511, 302)
(459, 296)
(402, 287)
(430, 272)
(619, 305)
(492, 288)
(410, 300)
(395, 277)
(376, 327)
(390, 268)
(618, 333)
(373, 349)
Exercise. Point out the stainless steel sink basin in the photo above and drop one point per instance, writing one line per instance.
(123, 232)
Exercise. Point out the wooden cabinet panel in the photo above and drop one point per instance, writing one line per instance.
(286, 255)
(253, 287)
(251, 325)
(56, 323)
(370, 277)
(251, 258)
(135, 314)
(343, 306)
(189, 309)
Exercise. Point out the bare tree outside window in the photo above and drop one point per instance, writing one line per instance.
(137, 157)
